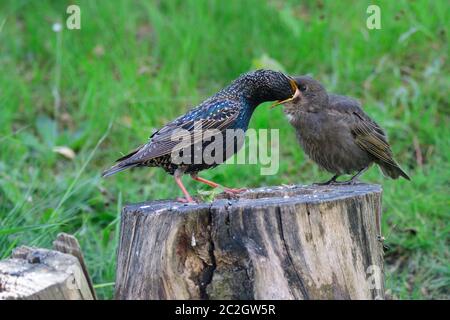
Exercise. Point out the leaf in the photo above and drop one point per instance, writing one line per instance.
(65, 151)
(47, 130)
(210, 195)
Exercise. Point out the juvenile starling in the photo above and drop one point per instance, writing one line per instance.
(337, 134)
(230, 108)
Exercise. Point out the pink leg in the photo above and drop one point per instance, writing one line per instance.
(215, 185)
(188, 197)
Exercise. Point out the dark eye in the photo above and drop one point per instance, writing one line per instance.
(302, 87)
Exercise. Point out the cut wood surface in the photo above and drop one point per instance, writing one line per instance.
(41, 274)
(67, 243)
(287, 242)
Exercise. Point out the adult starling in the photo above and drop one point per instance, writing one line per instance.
(230, 108)
(337, 134)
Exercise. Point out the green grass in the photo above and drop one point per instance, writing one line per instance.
(134, 66)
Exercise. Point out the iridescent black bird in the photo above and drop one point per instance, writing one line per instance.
(230, 108)
(337, 134)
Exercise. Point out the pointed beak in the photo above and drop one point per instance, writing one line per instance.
(296, 94)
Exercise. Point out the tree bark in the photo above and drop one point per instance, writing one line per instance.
(289, 242)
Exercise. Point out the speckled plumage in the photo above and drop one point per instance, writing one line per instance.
(230, 108)
(337, 134)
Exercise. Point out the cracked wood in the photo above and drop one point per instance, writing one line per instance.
(41, 274)
(287, 242)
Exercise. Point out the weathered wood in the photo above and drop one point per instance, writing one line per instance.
(290, 242)
(67, 243)
(41, 274)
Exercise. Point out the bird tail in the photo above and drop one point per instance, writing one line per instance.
(117, 168)
(122, 164)
(393, 171)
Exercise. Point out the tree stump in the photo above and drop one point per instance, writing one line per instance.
(41, 274)
(67, 243)
(287, 242)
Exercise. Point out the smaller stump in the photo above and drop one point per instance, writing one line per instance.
(40, 274)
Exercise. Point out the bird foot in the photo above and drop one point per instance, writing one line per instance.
(346, 183)
(184, 200)
(337, 183)
(327, 183)
(235, 191)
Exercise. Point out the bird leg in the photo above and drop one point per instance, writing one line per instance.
(215, 185)
(187, 196)
(331, 181)
(352, 180)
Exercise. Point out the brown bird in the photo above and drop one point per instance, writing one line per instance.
(337, 134)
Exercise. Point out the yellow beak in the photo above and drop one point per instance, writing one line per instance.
(296, 94)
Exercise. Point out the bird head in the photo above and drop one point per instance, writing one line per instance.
(267, 85)
(311, 97)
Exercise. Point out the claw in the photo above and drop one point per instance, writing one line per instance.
(235, 190)
(184, 200)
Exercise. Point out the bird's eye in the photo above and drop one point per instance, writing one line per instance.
(302, 87)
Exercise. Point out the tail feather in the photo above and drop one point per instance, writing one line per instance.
(122, 164)
(393, 171)
(117, 168)
(129, 155)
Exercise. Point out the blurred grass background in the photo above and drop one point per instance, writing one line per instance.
(98, 92)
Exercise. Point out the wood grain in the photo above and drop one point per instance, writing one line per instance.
(40, 274)
(287, 242)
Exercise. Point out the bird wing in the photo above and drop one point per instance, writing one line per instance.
(370, 137)
(212, 114)
(368, 134)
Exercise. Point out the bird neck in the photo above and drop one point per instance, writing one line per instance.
(254, 96)
(250, 91)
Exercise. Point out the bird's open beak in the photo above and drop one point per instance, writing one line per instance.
(296, 94)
